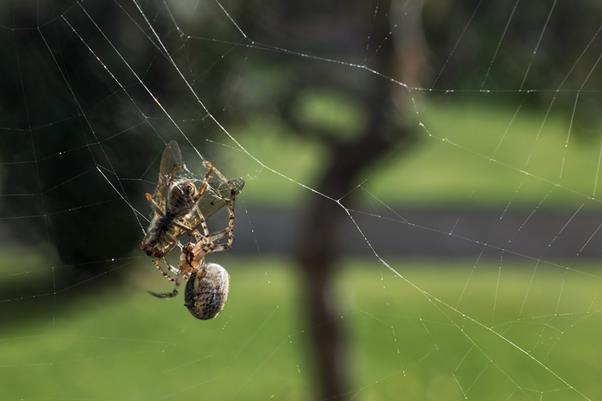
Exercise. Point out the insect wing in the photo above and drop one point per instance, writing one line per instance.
(171, 159)
(171, 164)
(213, 200)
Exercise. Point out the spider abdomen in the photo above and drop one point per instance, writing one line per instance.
(207, 291)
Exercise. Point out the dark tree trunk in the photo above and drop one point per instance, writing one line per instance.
(318, 254)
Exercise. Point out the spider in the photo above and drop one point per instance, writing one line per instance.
(192, 258)
(180, 207)
(208, 284)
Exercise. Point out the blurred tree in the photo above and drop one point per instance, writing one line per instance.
(67, 138)
(67, 113)
(64, 115)
(384, 129)
(520, 45)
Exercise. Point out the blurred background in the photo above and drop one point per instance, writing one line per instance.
(420, 219)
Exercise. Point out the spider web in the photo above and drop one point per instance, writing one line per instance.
(533, 341)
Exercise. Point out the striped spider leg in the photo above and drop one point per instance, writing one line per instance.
(193, 253)
(170, 228)
(192, 259)
(175, 194)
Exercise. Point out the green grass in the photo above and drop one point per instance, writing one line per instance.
(124, 345)
(451, 166)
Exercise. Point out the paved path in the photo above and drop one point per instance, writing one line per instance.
(438, 233)
(429, 233)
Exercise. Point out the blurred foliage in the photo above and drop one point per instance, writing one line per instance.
(550, 47)
(559, 32)
(64, 118)
(89, 97)
(424, 177)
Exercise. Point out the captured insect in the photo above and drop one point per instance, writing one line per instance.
(181, 203)
(175, 196)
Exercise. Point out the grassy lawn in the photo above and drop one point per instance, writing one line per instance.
(124, 345)
(451, 166)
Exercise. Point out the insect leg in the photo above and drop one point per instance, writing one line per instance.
(149, 198)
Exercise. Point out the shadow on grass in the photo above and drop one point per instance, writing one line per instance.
(31, 285)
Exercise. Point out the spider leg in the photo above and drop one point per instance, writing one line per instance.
(168, 270)
(192, 230)
(210, 170)
(194, 221)
(213, 248)
(173, 241)
(215, 171)
(197, 235)
(210, 245)
(202, 221)
(183, 226)
(229, 230)
(172, 293)
(171, 273)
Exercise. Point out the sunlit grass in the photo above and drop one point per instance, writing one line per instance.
(125, 345)
(478, 154)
